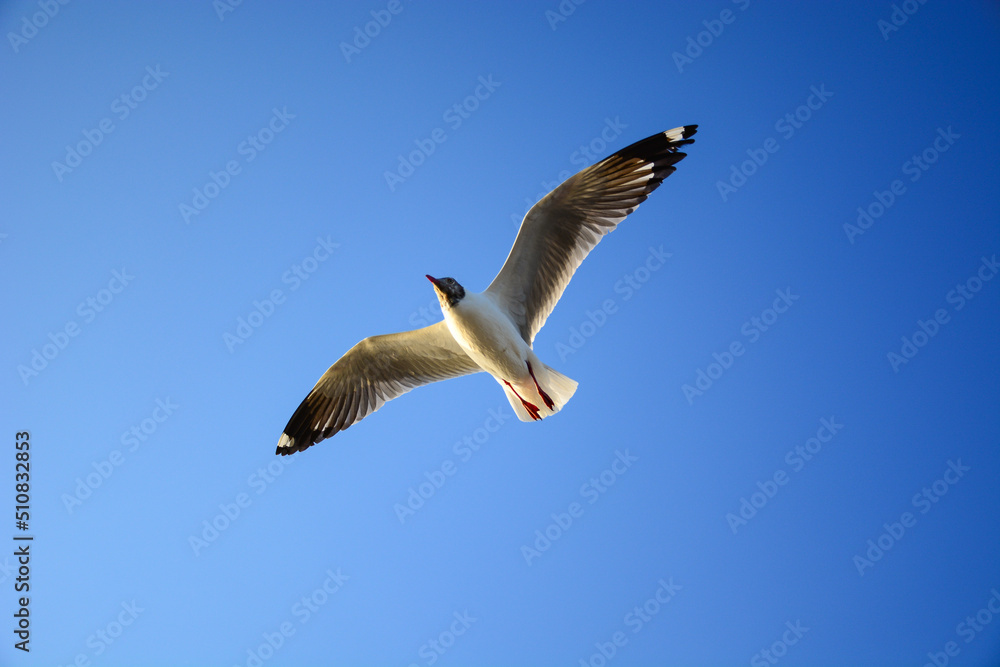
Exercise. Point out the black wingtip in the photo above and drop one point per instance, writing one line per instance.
(286, 445)
(300, 432)
(682, 133)
(297, 441)
(662, 148)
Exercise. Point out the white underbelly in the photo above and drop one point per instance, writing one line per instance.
(490, 339)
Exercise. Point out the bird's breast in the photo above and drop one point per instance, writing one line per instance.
(488, 336)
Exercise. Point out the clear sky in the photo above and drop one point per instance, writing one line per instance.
(784, 445)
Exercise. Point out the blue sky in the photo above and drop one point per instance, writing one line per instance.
(783, 448)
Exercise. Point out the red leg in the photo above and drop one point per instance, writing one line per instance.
(530, 407)
(545, 397)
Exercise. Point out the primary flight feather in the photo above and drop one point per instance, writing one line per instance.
(493, 331)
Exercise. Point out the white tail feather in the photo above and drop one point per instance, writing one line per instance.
(559, 388)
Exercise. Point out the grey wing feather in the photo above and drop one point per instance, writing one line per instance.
(373, 372)
(565, 225)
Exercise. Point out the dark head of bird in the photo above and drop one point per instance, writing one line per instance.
(448, 290)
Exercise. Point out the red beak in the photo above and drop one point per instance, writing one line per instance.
(432, 279)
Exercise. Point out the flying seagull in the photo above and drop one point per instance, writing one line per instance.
(493, 331)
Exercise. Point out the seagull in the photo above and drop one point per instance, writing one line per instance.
(493, 331)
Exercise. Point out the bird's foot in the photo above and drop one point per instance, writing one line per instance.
(549, 403)
(530, 407)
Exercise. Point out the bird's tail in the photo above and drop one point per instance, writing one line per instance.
(554, 384)
(559, 387)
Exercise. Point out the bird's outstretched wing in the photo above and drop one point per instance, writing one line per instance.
(561, 229)
(376, 370)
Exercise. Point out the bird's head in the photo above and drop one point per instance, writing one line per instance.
(448, 291)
